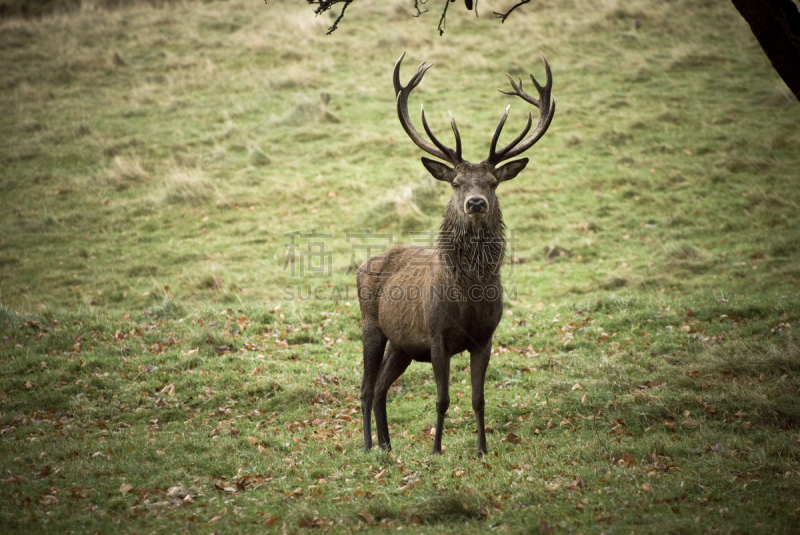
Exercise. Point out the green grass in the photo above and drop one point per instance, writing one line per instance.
(159, 375)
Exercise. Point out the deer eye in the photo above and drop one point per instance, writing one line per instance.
(494, 185)
(456, 185)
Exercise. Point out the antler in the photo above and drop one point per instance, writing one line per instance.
(437, 149)
(547, 108)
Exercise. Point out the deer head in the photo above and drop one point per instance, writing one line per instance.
(474, 184)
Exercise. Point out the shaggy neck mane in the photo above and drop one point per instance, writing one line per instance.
(472, 253)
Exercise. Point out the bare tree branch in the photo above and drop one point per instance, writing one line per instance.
(504, 16)
(775, 23)
(442, 22)
(325, 5)
(336, 22)
(321, 6)
(416, 6)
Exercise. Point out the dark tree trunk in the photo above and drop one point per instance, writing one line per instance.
(776, 25)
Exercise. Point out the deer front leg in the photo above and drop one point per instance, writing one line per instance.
(478, 363)
(441, 374)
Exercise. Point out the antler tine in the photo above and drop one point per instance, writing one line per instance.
(547, 108)
(455, 132)
(519, 92)
(497, 131)
(438, 149)
(396, 75)
(549, 83)
(448, 151)
(536, 84)
(493, 154)
(415, 80)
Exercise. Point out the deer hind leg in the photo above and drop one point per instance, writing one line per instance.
(479, 362)
(374, 343)
(393, 367)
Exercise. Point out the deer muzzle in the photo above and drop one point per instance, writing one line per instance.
(475, 205)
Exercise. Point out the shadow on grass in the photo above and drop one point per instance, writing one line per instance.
(444, 507)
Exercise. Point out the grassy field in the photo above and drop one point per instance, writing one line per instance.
(166, 366)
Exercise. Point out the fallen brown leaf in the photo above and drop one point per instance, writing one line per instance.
(368, 518)
(49, 499)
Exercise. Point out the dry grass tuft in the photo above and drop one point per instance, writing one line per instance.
(210, 282)
(779, 96)
(258, 157)
(126, 173)
(219, 154)
(117, 60)
(145, 95)
(615, 282)
(687, 257)
(751, 358)
(684, 253)
(769, 201)
(305, 110)
(427, 196)
(304, 23)
(326, 116)
(190, 186)
(398, 209)
(295, 76)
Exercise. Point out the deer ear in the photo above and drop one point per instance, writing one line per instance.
(510, 170)
(439, 170)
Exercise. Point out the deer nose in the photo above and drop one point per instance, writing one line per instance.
(476, 204)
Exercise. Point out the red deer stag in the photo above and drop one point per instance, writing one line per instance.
(430, 303)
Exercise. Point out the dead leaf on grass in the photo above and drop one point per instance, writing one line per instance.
(511, 438)
(545, 527)
(15, 479)
(296, 493)
(626, 459)
(577, 483)
(368, 518)
(48, 499)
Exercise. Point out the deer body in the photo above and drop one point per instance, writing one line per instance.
(437, 304)
(428, 304)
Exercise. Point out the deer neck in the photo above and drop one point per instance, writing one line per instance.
(471, 253)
